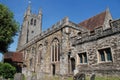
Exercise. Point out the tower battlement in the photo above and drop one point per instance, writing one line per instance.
(60, 24)
(31, 27)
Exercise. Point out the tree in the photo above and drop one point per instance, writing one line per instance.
(7, 70)
(8, 28)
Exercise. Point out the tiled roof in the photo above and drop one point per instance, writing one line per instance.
(14, 56)
(94, 22)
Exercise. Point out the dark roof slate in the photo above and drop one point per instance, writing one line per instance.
(94, 22)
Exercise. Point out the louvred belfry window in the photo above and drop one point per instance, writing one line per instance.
(35, 22)
(31, 21)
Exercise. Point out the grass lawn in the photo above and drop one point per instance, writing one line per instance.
(108, 78)
(105, 78)
(87, 78)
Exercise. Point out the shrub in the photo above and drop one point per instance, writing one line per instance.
(7, 70)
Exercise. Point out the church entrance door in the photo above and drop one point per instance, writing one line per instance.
(53, 69)
(72, 64)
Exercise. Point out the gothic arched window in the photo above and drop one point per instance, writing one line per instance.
(35, 22)
(31, 21)
(33, 56)
(31, 62)
(33, 50)
(55, 50)
(40, 53)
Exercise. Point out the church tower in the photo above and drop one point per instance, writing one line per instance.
(31, 27)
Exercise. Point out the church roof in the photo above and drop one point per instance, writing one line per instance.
(14, 56)
(94, 22)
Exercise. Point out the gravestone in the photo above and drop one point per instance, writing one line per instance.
(34, 77)
(92, 77)
(0, 78)
(18, 76)
(79, 76)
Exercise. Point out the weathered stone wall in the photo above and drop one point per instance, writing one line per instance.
(91, 44)
(67, 32)
(31, 27)
(44, 65)
(44, 39)
(43, 42)
(72, 40)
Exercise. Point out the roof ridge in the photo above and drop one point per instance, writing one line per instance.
(94, 16)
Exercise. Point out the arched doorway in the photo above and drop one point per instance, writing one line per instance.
(53, 69)
(72, 65)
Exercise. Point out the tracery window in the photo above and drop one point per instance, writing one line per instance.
(40, 53)
(26, 54)
(33, 51)
(55, 50)
(31, 62)
(33, 56)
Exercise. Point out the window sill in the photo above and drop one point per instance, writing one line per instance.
(83, 64)
(105, 61)
(55, 62)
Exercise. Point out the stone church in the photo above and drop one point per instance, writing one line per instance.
(67, 47)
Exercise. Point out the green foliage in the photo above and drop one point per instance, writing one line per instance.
(70, 78)
(7, 70)
(8, 28)
(24, 78)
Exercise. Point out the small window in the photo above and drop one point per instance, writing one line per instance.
(31, 62)
(110, 22)
(105, 55)
(83, 57)
(79, 33)
(35, 22)
(92, 32)
(32, 31)
(31, 21)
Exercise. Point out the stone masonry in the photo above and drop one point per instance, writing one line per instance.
(101, 39)
(67, 47)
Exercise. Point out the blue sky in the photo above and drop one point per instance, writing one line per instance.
(55, 10)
